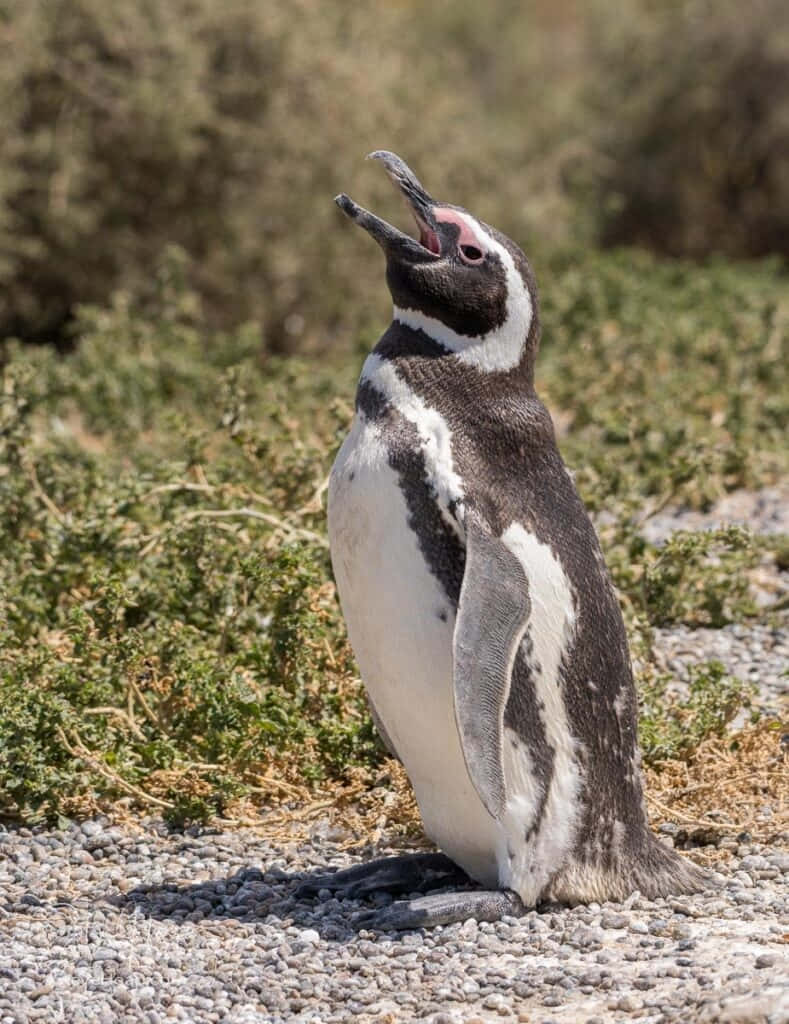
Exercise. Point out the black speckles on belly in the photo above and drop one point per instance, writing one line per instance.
(351, 476)
(442, 614)
(527, 646)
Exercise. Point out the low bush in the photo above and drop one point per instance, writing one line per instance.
(672, 726)
(228, 129)
(171, 635)
(695, 158)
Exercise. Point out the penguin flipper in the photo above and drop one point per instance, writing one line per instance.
(492, 615)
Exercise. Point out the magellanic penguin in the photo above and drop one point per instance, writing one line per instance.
(477, 601)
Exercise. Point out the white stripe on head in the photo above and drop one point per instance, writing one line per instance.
(500, 349)
(434, 435)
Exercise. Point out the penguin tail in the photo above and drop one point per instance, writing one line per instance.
(655, 871)
(662, 871)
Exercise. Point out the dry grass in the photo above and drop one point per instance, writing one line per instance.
(733, 785)
(363, 810)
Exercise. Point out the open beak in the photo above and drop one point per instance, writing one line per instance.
(394, 242)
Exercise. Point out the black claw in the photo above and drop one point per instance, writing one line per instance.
(313, 886)
(409, 874)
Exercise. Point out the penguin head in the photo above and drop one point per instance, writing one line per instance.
(467, 285)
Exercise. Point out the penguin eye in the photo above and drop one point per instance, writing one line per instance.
(471, 254)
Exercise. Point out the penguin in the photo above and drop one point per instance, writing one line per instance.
(477, 600)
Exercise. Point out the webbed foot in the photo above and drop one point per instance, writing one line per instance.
(418, 872)
(443, 908)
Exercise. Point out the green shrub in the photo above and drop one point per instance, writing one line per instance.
(699, 578)
(171, 635)
(691, 157)
(672, 378)
(672, 726)
(170, 630)
(227, 129)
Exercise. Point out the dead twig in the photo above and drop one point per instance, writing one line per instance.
(149, 713)
(266, 517)
(126, 718)
(670, 812)
(315, 504)
(77, 749)
(43, 496)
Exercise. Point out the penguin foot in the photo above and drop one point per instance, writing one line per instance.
(442, 908)
(418, 872)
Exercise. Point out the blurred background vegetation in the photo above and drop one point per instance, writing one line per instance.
(170, 634)
(227, 128)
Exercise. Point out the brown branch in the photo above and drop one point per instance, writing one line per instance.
(149, 713)
(81, 752)
(251, 513)
(45, 498)
(122, 715)
(673, 812)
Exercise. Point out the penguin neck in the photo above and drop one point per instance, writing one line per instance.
(507, 351)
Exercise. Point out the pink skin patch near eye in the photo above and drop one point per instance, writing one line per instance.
(467, 236)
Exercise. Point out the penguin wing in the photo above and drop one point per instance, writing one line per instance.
(492, 615)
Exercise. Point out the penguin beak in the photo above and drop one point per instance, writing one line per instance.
(395, 243)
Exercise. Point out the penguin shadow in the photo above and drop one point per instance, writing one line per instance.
(252, 896)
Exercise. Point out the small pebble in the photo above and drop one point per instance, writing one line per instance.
(113, 925)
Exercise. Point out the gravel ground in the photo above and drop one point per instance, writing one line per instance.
(763, 511)
(101, 923)
(106, 924)
(757, 654)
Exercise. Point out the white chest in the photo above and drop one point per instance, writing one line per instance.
(400, 625)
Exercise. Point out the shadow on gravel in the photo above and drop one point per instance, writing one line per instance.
(249, 896)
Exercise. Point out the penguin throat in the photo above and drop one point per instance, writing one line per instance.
(500, 350)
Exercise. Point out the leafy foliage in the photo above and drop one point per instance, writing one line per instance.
(171, 635)
(227, 129)
(671, 727)
(162, 620)
(702, 96)
(699, 578)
